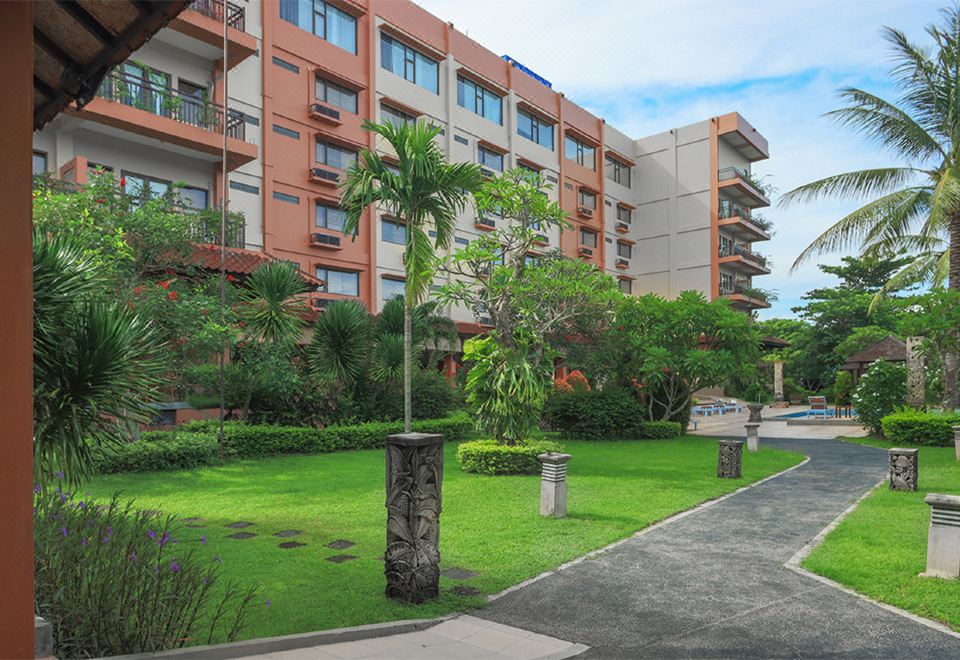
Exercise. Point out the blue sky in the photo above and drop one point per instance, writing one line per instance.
(647, 66)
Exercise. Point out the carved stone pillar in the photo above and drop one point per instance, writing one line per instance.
(943, 537)
(915, 378)
(729, 459)
(414, 497)
(753, 436)
(553, 484)
(904, 468)
(778, 381)
(956, 440)
(756, 412)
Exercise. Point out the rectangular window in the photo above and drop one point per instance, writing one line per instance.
(250, 119)
(409, 64)
(194, 198)
(393, 232)
(283, 64)
(535, 129)
(626, 286)
(391, 288)
(588, 238)
(580, 152)
(489, 158)
(329, 217)
(328, 22)
(144, 187)
(624, 250)
(243, 187)
(617, 171)
(341, 282)
(461, 139)
(96, 169)
(284, 197)
(336, 95)
(460, 240)
(39, 162)
(586, 199)
(624, 214)
(286, 132)
(334, 155)
(479, 100)
(396, 117)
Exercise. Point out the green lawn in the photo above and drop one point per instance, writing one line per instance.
(880, 548)
(490, 525)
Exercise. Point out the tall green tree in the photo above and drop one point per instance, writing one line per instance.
(423, 192)
(915, 206)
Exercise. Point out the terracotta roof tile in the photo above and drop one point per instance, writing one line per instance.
(237, 261)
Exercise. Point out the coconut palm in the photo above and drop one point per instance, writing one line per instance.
(423, 192)
(272, 304)
(914, 207)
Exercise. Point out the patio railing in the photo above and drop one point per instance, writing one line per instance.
(236, 15)
(738, 250)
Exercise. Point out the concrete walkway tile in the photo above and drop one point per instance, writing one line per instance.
(351, 650)
(528, 649)
(311, 653)
(457, 629)
(492, 640)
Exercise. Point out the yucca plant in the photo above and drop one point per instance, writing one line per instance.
(272, 304)
(340, 346)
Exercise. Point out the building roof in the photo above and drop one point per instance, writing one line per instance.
(238, 261)
(889, 348)
(774, 342)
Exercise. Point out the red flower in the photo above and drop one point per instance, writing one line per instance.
(123, 181)
(100, 200)
(172, 295)
(203, 312)
(137, 290)
(165, 283)
(231, 278)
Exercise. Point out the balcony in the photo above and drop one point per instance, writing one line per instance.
(743, 296)
(325, 176)
(743, 259)
(203, 22)
(135, 105)
(743, 137)
(739, 221)
(741, 187)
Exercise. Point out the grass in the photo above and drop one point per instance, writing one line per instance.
(880, 548)
(490, 525)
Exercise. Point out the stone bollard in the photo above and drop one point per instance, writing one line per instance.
(904, 468)
(756, 412)
(956, 440)
(729, 459)
(753, 437)
(553, 484)
(943, 538)
(414, 497)
(42, 639)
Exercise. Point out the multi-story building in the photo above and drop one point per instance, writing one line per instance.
(664, 213)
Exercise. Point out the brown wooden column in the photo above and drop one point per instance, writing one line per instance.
(16, 333)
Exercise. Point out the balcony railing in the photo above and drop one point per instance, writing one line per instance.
(740, 251)
(736, 288)
(207, 229)
(236, 15)
(165, 101)
(728, 209)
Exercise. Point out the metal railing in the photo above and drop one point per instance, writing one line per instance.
(236, 15)
(739, 250)
(208, 231)
(733, 172)
(731, 288)
(165, 101)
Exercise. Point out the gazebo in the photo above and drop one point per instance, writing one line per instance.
(890, 349)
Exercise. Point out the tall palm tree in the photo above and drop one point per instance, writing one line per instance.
(914, 207)
(423, 192)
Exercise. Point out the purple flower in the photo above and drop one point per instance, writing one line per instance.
(174, 566)
(82, 504)
(106, 538)
(152, 534)
(206, 581)
(59, 474)
(64, 530)
(267, 603)
(163, 541)
(203, 540)
(84, 541)
(133, 556)
(36, 488)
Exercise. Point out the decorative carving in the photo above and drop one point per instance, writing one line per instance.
(755, 412)
(729, 459)
(414, 488)
(777, 382)
(904, 468)
(915, 379)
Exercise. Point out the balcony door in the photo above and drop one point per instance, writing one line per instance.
(146, 89)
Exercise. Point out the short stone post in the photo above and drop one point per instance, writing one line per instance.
(553, 484)
(42, 639)
(904, 468)
(915, 379)
(756, 413)
(414, 497)
(943, 537)
(778, 381)
(753, 437)
(729, 459)
(956, 440)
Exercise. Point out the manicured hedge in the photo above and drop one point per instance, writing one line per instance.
(911, 428)
(610, 414)
(159, 451)
(488, 457)
(659, 430)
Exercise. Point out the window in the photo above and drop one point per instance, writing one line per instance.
(329, 217)
(624, 214)
(336, 95)
(391, 288)
(461, 139)
(618, 171)
(491, 159)
(336, 156)
(535, 129)
(250, 119)
(143, 88)
(396, 117)
(145, 187)
(283, 64)
(409, 64)
(194, 198)
(581, 153)
(39, 162)
(393, 231)
(624, 250)
(341, 282)
(460, 240)
(479, 100)
(626, 286)
(243, 187)
(586, 199)
(588, 238)
(323, 19)
(528, 168)
(284, 197)
(286, 132)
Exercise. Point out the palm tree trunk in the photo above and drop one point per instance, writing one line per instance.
(407, 369)
(951, 361)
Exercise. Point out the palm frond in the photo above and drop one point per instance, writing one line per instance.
(272, 305)
(853, 185)
(341, 341)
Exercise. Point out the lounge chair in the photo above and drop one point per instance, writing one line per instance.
(818, 406)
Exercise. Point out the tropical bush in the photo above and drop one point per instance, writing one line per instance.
(660, 430)
(112, 581)
(881, 390)
(609, 414)
(909, 428)
(843, 388)
(158, 450)
(493, 458)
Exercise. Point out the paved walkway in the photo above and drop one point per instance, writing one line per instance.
(713, 584)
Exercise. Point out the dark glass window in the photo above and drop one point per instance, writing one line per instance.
(336, 95)
(535, 129)
(334, 155)
(329, 217)
(588, 238)
(393, 232)
(325, 20)
(479, 100)
(617, 171)
(580, 152)
(342, 282)
(491, 159)
(39, 162)
(409, 64)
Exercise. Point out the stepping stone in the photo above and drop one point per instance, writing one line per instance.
(339, 559)
(192, 520)
(287, 533)
(241, 535)
(457, 573)
(240, 525)
(290, 544)
(341, 544)
(462, 590)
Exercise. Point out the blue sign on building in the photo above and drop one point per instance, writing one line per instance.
(540, 79)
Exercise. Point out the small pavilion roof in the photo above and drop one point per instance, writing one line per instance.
(889, 348)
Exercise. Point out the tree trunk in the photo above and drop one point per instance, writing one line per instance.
(951, 361)
(407, 367)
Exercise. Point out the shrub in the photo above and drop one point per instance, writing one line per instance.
(660, 430)
(490, 457)
(881, 390)
(114, 581)
(433, 397)
(910, 428)
(843, 388)
(158, 450)
(608, 414)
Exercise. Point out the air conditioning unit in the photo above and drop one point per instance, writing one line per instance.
(484, 222)
(324, 240)
(321, 111)
(585, 212)
(585, 252)
(623, 227)
(622, 263)
(322, 175)
(487, 173)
